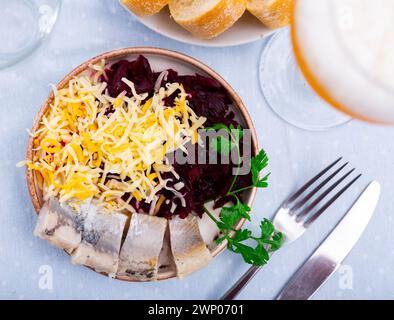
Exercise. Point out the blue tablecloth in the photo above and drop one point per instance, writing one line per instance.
(86, 28)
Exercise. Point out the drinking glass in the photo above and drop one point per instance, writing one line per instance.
(287, 92)
(24, 24)
(345, 51)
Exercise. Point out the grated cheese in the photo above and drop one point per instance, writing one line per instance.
(82, 151)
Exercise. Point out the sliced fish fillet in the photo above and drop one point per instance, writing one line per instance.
(101, 240)
(188, 247)
(208, 228)
(166, 260)
(59, 225)
(139, 256)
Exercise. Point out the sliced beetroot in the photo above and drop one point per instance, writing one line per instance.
(206, 96)
(137, 71)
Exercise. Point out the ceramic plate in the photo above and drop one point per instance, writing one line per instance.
(247, 29)
(159, 59)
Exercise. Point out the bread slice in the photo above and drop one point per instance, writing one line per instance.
(273, 13)
(145, 7)
(207, 19)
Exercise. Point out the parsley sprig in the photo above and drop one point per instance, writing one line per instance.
(238, 241)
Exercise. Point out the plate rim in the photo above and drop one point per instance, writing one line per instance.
(34, 193)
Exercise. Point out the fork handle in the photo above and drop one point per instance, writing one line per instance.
(241, 283)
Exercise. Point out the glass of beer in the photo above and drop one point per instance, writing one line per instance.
(337, 53)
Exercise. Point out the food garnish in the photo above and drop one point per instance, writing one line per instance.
(269, 239)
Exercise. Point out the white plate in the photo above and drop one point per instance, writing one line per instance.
(247, 29)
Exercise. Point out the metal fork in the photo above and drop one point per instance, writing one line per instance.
(298, 212)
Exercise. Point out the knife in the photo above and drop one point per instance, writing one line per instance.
(329, 256)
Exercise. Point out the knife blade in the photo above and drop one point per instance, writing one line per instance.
(335, 248)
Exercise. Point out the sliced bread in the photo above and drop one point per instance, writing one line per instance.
(206, 19)
(145, 7)
(273, 13)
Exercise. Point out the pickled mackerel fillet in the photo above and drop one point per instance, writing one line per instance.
(139, 257)
(101, 241)
(59, 225)
(188, 247)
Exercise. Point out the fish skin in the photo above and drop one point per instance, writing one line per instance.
(139, 256)
(189, 250)
(166, 261)
(101, 240)
(59, 225)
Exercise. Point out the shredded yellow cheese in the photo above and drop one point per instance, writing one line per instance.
(88, 137)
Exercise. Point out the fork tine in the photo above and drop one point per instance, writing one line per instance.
(330, 202)
(310, 182)
(301, 202)
(310, 207)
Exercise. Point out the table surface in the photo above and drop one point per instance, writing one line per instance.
(87, 28)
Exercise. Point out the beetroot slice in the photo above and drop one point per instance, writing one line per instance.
(138, 71)
(207, 97)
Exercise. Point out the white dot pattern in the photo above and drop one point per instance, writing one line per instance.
(295, 155)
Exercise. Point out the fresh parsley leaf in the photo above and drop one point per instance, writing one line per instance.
(233, 214)
(277, 241)
(238, 240)
(222, 146)
(236, 134)
(229, 217)
(258, 163)
(267, 229)
(242, 235)
(260, 255)
(247, 252)
(269, 240)
(262, 183)
(219, 126)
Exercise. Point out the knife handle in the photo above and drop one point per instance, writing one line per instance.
(241, 283)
